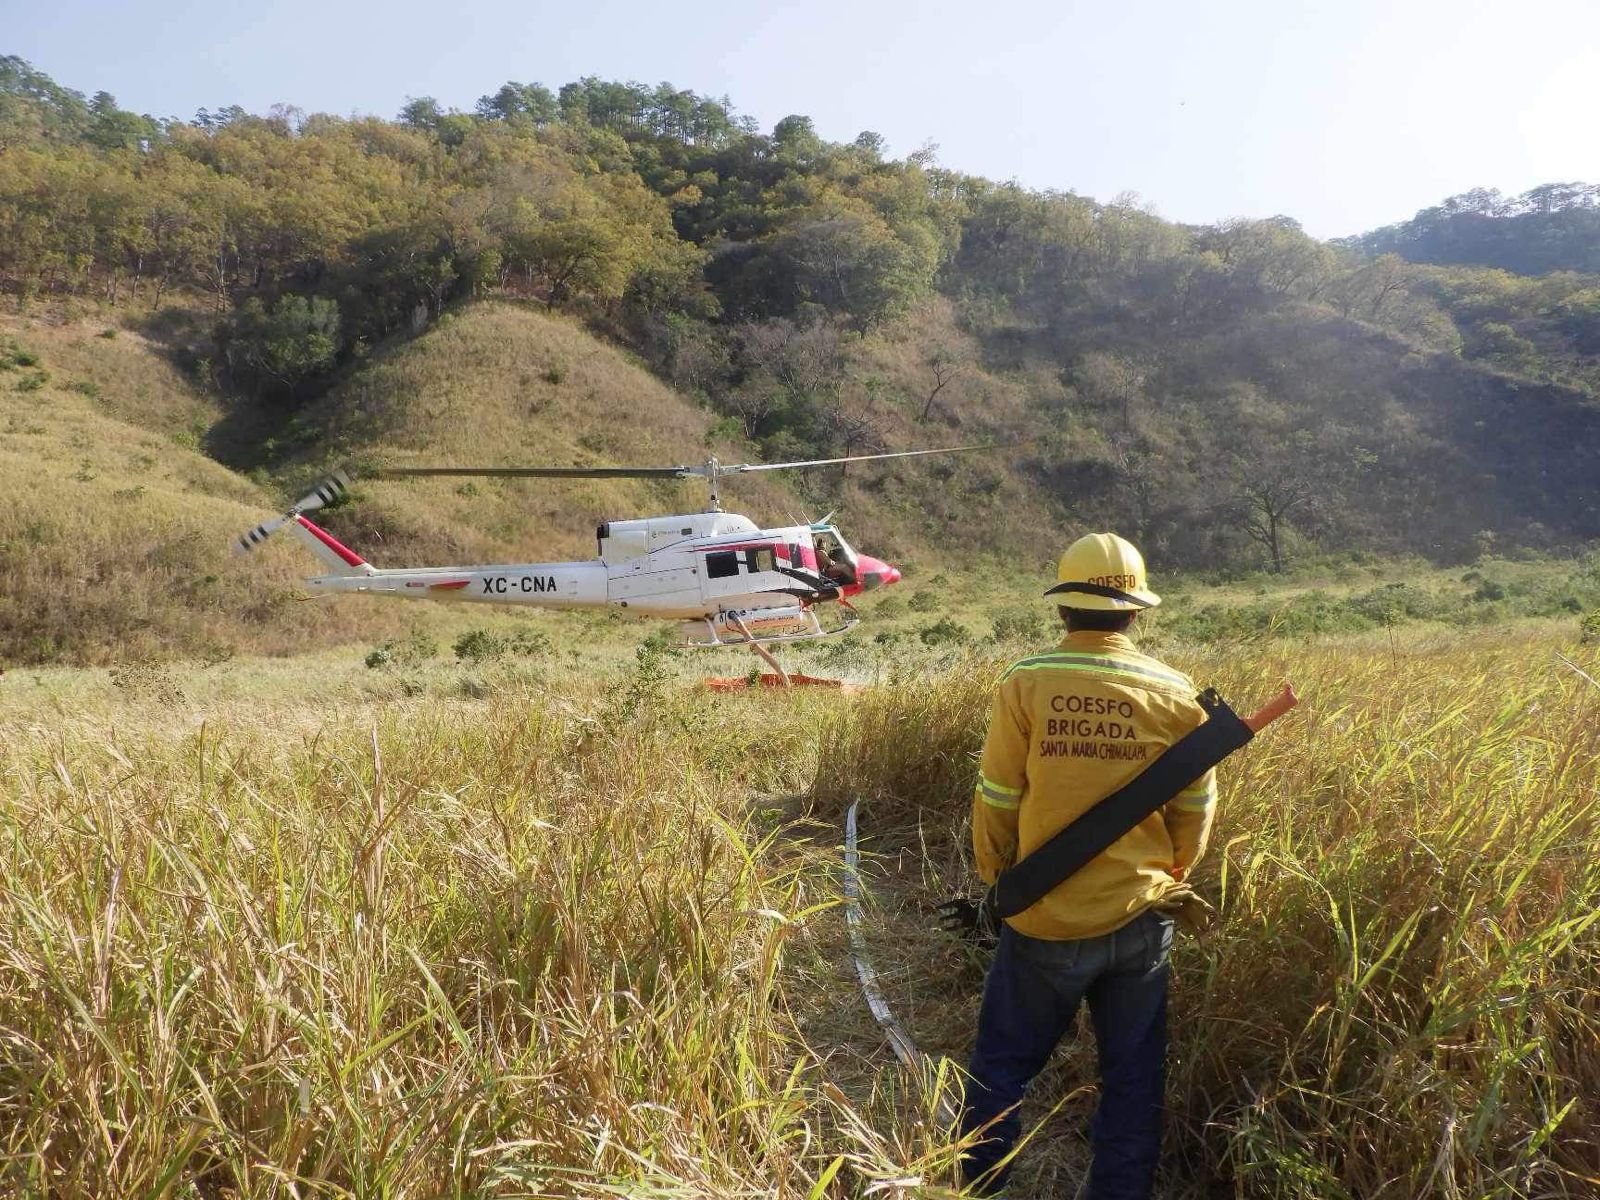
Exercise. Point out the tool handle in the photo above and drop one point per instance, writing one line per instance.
(1272, 709)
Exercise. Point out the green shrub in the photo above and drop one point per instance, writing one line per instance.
(1393, 602)
(530, 643)
(33, 382)
(480, 645)
(1589, 627)
(663, 641)
(1020, 624)
(13, 355)
(944, 632)
(924, 602)
(413, 650)
(276, 348)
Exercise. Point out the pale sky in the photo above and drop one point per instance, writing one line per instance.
(1344, 114)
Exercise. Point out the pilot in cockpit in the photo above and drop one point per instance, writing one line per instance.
(832, 562)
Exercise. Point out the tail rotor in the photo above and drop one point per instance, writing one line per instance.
(324, 494)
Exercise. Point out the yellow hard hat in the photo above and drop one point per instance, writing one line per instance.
(1104, 572)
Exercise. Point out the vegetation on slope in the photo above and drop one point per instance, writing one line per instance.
(502, 383)
(114, 529)
(1235, 392)
(1554, 227)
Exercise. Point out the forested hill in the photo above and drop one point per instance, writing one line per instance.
(1236, 393)
(1555, 227)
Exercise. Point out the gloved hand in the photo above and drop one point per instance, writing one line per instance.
(1188, 908)
(975, 920)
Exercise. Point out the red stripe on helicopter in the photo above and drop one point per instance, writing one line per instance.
(350, 557)
(451, 586)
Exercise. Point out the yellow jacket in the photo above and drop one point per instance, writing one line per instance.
(1068, 728)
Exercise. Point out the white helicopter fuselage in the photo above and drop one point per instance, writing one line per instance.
(723, 577)
(719, 573)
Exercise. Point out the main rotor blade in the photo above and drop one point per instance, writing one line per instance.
(828, 462)
(541, 472)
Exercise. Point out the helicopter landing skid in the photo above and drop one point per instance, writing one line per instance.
(753, 639)
(758, 646)
(761, 651)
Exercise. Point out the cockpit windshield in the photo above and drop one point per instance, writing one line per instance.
(835, 559)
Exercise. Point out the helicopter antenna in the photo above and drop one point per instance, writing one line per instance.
(712, 470)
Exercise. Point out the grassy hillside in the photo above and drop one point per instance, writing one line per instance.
(115, 538)
(502, 384)
(498, 383)
(114, 529)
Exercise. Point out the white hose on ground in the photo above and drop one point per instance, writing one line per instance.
(899, 1039)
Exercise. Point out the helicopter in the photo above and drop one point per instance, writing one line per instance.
(722, 578)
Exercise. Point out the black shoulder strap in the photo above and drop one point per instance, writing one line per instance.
(1187, 759)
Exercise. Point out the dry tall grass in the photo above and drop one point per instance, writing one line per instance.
(569, 940)
(1401, 998)
(130, 377)
(528, 948)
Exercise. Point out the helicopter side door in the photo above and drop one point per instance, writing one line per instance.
(748, 575)
(662, 579)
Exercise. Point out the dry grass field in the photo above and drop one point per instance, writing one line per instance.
(302, 929)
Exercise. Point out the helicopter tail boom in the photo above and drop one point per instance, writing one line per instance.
(333, 552)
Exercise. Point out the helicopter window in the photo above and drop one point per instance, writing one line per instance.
(722, 564)
(832, 559)
(760, 559)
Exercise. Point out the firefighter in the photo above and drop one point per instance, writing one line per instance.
(1067, 728)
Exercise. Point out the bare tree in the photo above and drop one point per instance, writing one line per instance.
(801, 358)
(852, 433)
(1111, 383)
(1267, 506)
(753, 405)
(945, 366)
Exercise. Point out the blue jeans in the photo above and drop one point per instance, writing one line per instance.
(1029, 1001)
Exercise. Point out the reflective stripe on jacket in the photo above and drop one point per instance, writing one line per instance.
(1068, 728)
